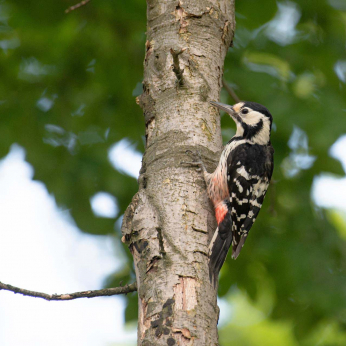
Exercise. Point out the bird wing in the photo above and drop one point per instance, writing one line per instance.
(255, 203)
(256, 183)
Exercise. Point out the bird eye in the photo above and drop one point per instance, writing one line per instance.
(245, 111)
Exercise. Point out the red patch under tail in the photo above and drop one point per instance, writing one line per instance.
(220, 212)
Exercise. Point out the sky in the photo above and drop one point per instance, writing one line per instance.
(329, 191)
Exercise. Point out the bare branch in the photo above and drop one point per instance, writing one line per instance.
(230, 90)
(176, 67)
(69, 296)
(74, 7)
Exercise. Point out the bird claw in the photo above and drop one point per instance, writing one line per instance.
(199, 164)
(197, 160)
(194, 155)
(193, 163)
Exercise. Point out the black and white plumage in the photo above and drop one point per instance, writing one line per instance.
(238, 185)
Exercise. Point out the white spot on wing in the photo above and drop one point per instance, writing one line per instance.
(242, 216)
(242, 171)
(240, 188)
(255, 203)
(235, 242)
(241, 201)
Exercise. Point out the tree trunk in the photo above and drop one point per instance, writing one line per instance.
(170, 221)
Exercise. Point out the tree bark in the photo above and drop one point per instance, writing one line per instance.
(170, 221)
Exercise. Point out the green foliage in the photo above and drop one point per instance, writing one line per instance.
(67, 93)
(76, 72)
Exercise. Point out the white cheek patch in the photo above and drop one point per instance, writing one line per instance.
(253, 118)
(240, 130)
(263, 136)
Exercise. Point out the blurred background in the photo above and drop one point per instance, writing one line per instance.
(71, 140)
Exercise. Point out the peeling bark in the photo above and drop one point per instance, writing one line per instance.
(170, 221)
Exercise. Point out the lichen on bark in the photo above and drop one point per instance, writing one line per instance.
(170, 221)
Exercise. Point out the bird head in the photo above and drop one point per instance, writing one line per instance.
(253, 120)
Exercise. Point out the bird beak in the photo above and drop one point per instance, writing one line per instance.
(228, 109)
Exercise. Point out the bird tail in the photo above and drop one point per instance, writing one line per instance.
(237, 248)
(218, 249)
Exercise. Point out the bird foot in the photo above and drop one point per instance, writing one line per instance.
(192, 163)
(195, 156)
(197, 160)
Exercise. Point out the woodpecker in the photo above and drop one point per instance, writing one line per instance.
(238, 185)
